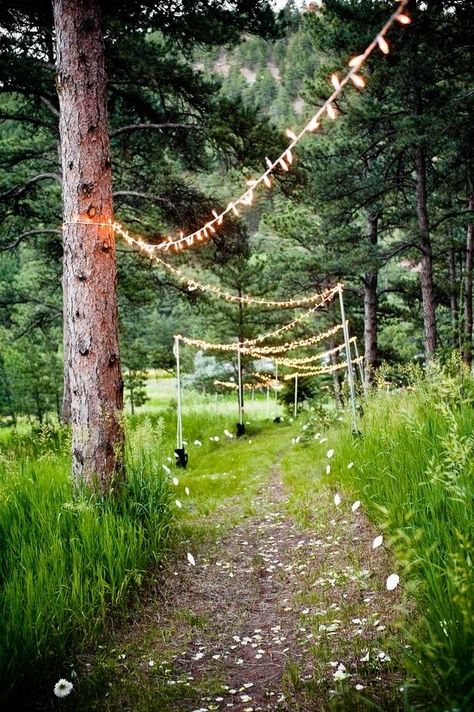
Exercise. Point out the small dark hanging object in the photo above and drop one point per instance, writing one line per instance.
(240, 429)
(277, 419)
(181, 457)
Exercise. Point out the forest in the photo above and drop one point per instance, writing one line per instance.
(236, 345)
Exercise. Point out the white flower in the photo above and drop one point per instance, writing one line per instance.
(175, 481)
(216, 438)
(166, 469)
(228, 434)
(178, 504)
(62, 688)
(377, 542)
(328, 469)
(356, 505)
(350, 465)
(330, 453)
(340, 674)
(198, 443)
(360, 687)
(365, 659)
(186, 490)
(337, 500)
(151, 663)
(392, 582)
(191, 559)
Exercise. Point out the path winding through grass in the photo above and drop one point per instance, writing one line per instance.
(286, 608)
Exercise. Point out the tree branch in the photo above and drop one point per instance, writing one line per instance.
(20, 189)
(26, 234)
(452, 214)
(144, 127)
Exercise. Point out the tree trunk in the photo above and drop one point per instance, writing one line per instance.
(467, 344)
(426, 274)
(90, 282)
(453, 297)
(370, 306)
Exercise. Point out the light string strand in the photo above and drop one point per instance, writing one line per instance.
(269, 351)
(285, 159)
(243, 345)
(193, 284)
(323, 369)
(300, 362)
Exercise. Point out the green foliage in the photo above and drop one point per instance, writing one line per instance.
(413, 471)
(67, 558)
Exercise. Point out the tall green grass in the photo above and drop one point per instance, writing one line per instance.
(414, 471)
(69, 559)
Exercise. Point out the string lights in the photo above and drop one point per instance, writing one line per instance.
(271, 351)
(246, 386)
(323, 369)
(193, 284)
(285, 160)
(310, 359)
(243, 346)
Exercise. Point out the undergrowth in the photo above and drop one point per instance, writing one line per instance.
(413, 470)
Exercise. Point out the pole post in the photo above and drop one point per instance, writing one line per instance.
(296, 396)
(240, 424)
(277, 383)
(180, 453)
(268, 401)
(350, 372)
(361, 367)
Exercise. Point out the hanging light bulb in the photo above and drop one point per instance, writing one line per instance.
(403, 19)
(383, 44)
(356, 61)
(358, 81)
(313, 125)
(291, 134)
(267, 180)
(331, 112)
(335, 82)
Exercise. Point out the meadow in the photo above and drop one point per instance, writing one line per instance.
(70, 563)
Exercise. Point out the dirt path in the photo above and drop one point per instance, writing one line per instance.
(273, 616)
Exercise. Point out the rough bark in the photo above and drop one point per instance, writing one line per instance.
(90, 300)
(370, 306)
(453, 297)
(426, 273)
(468, 267)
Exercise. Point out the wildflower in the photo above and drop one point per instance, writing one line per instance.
(178, 504)
(356, 505)
(392, 582)
(350, 466)
(198, 443)
(330, 453)
(360, 687)
(191, 559)
(337, 500)
(365, 658)
(328, 469)
(186, 490)
(166, 469)
(151, 663)
(340, 674)
(62, 688)
(377, 542)
(175, 481)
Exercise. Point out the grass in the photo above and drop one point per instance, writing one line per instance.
(67, 559)
(413, 471)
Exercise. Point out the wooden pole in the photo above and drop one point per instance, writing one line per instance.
(296, 396)
(179, 424)
(239, 369)
(350, 372)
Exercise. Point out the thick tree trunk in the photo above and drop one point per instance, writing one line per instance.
(468, 267)
(90, 299)
(426, 274)
(370, 306)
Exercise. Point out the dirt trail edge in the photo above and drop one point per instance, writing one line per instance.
(273, 616)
